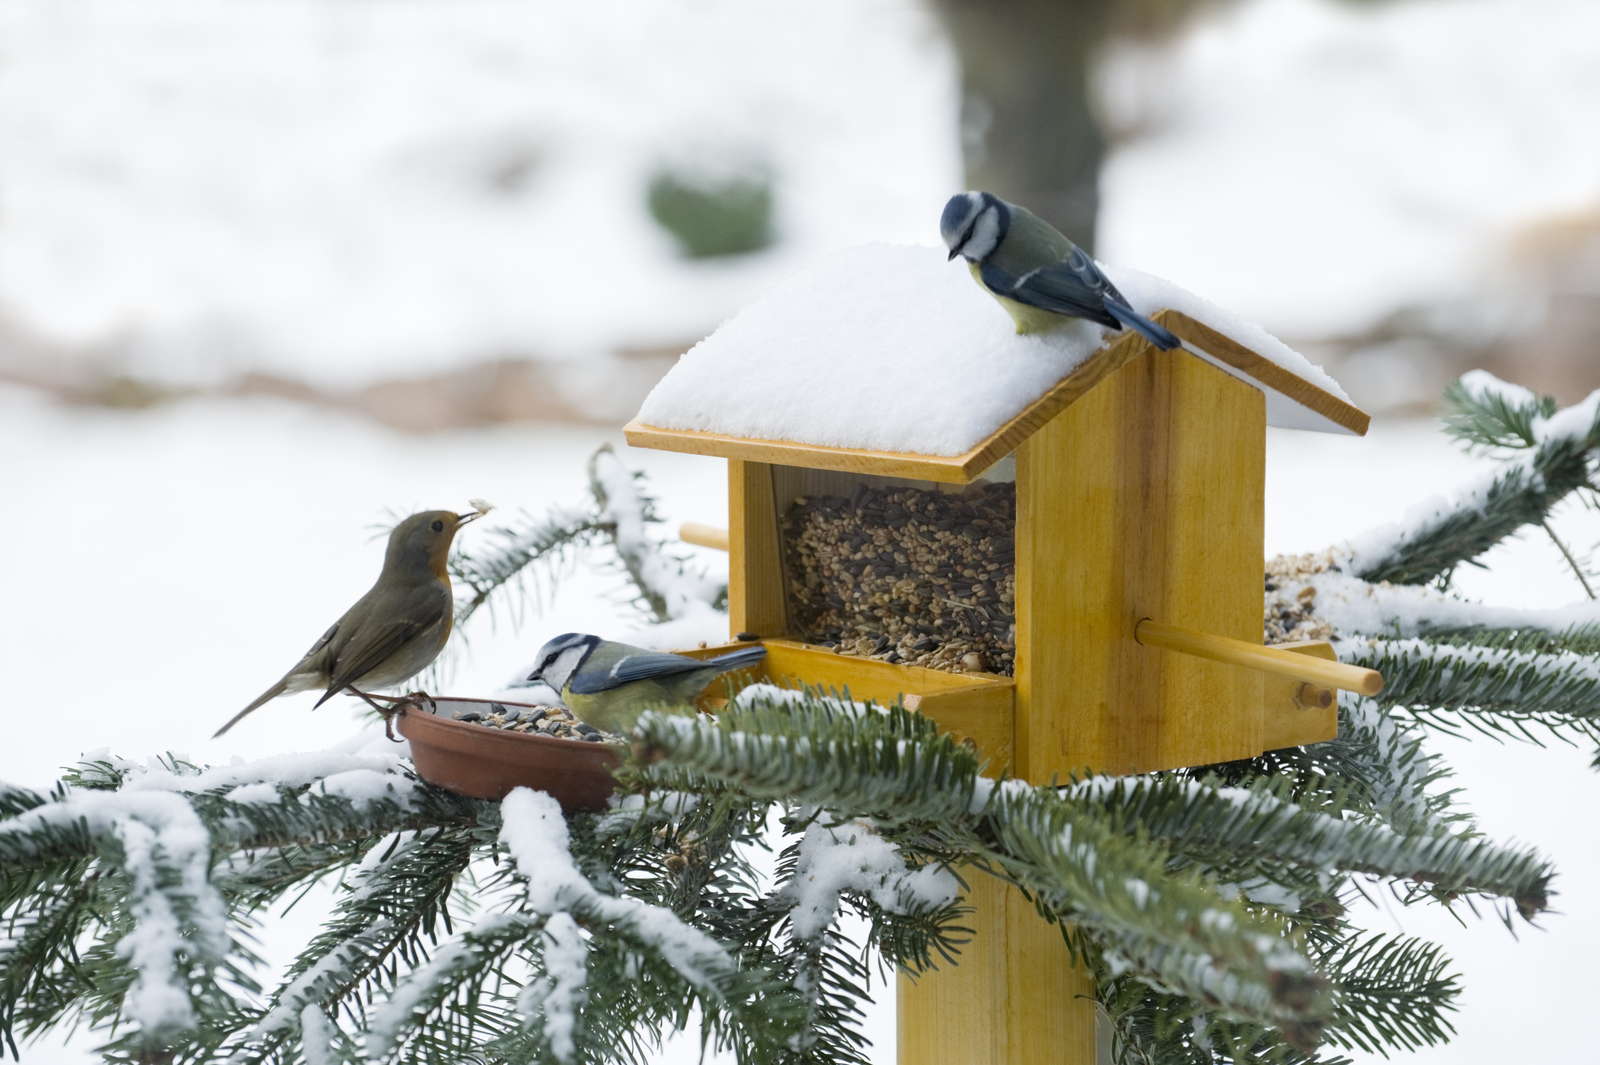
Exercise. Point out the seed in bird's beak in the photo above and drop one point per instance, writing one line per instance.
(480, 508)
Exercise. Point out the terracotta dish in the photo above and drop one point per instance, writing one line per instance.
(486, 763)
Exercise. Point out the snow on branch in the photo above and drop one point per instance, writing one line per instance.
(1231, 823)
(1353, 606)
(1439, 534)
(851, 856)
(896, 768)
(1494, 690)
(457, 963)
(535, 833)
(1485, 412)
(668, 586)
(558, 996)
(179, 931)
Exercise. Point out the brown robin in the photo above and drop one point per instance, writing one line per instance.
(392, 632)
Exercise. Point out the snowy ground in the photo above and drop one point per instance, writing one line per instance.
(166, 569)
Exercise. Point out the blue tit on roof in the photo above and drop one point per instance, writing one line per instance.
(609, 684)
(1036, 273)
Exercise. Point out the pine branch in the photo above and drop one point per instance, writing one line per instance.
(525, 557)
(1391, 992)
(1495, 691)
(416, 1017)
(1177, 930)
(1558, 460)
(911, 911)
(153, 868)
(1218, 826)
(664, 585)
(396, 902)
(1485, 413)
(757, 1002)
(1577, 567)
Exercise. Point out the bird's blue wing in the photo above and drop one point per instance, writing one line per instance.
(647, 665)
(1074, 286)
(640, 665)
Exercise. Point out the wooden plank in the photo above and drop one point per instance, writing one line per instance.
(1292, 717)
(973, 706)
(1013, 998)
(1143, 499)
(958, 1013)
(1285, 382)
(756, 599)
(982, 713)
(948, 469)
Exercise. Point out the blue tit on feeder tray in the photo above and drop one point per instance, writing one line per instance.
(609, 684)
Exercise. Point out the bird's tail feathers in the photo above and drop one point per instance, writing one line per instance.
(265, 697)
(744, 656)
(1132, 319)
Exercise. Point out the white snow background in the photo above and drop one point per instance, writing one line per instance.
(303, 185)
(310, 185)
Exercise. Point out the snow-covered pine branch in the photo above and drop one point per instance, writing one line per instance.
(1223, 827)
(131, 885)
(1440, 534)
(525, 556)
(671, 588)
(529, 554)
(1495, 690)
(1350, 606)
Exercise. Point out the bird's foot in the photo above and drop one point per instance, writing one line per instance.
(422, 699)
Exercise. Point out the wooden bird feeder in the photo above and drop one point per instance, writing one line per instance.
(1138, 547)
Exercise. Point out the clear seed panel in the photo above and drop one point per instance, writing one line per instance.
(904, 571)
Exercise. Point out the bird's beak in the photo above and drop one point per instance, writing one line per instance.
(953, 253)
(480, 507)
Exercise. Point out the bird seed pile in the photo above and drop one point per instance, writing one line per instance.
(554, 721)
(910, 575)
(1291, 601)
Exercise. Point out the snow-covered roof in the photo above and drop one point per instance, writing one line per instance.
(891, 349)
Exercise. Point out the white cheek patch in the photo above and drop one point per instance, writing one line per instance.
(563, 667)
(985, 235)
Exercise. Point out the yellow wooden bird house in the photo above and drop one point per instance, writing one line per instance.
(1093, 605)
(1114, 589)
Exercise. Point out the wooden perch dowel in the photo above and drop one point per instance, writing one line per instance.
(701, 535)
(1313, 671)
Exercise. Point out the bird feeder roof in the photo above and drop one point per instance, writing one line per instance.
(889, 360)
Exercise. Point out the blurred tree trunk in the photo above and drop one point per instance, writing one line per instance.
(1028, 132)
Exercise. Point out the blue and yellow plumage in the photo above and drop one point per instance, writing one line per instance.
(609, 684)
(1033, 271)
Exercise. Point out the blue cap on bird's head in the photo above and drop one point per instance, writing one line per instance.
(973, 224)
(582, 643)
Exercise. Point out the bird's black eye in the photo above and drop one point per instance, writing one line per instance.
(438, 526)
